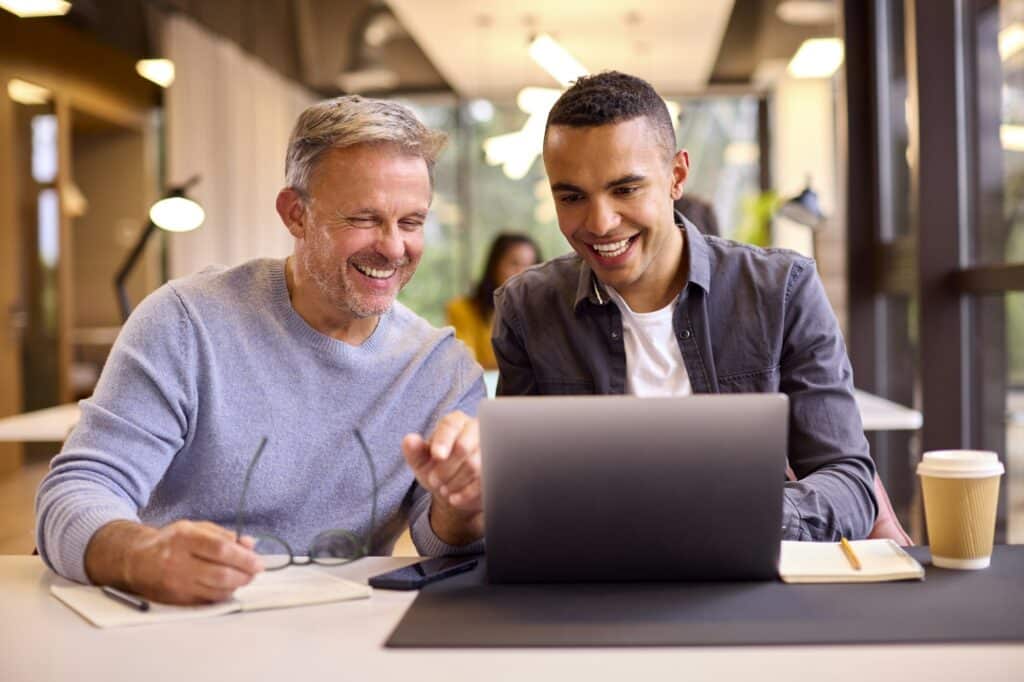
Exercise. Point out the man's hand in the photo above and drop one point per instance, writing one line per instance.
(448, 465)
(186, 562)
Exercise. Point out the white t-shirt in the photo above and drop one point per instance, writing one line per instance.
(654, 363)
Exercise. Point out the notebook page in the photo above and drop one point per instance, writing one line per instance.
(104, 612)
(826, 562)
(297, 586)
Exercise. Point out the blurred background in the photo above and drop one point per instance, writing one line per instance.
(885, 138)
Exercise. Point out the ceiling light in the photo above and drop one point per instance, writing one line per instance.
(1011, 40)
(1012, 137)
(36, 8)
(556, 60)
(27, 93)
(481, 110)
(367, 80)
(160, 71)
(501, 147)
(806, 12)
(537, 100)
(817, 58)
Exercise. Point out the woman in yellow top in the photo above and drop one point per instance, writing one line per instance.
(472, 315)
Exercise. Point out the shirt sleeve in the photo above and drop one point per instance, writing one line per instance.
(515, 372)
(128, 433)
(466, 395)
(834, 493)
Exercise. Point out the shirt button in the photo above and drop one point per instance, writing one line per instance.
(615, 334)
(685, 334)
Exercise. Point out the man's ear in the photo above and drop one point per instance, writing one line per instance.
(292, 210)
(680, 171)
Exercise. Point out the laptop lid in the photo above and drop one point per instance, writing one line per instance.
(620, 488)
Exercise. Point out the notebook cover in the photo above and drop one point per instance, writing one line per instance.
(948, 606)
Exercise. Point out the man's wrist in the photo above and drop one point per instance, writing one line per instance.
(108, 553)
(453, 526)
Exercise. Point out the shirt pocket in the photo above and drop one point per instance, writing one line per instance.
(755, 381)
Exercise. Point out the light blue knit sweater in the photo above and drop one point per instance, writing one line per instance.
(210, 363)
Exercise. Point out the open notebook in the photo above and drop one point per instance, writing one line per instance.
(293, 586)
(824, 562)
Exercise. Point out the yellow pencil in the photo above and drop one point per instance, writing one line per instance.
(848, 551)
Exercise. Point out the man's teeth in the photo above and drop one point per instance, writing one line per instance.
(612, 249)
(374, 272)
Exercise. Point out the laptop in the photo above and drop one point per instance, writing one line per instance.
(620, 488)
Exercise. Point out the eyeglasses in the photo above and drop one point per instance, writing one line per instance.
(329, 548)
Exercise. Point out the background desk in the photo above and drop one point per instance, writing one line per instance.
(54, 423)
(51, 425)
(41, 640)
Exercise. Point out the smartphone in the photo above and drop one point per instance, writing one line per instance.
(415, 576)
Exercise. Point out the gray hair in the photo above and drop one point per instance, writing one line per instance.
(351, 120)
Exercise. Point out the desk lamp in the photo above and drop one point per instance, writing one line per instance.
(802, 212)
(175, 212)
(804, 209)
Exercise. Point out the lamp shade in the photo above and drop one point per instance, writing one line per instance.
(804, 209)
(177, 214)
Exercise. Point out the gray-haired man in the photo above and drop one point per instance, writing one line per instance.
(305, 351)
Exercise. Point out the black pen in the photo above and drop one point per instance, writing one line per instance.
(130, 599)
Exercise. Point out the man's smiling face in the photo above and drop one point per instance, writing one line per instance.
(613, 187)
(364, 232)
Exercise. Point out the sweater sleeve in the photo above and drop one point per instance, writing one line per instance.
(465, 396)
(129, 431)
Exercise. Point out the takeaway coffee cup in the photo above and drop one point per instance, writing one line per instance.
(961, 488)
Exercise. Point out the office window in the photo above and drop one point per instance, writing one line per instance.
(997, 237)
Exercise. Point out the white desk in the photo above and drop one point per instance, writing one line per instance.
(53, 424)
(879, 414)
(41, 640)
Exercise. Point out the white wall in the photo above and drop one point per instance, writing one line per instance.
(804, 145)
(229, 117)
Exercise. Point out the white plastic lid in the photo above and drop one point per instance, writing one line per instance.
(960, 464)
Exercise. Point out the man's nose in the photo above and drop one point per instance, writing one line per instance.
(390, 243)
(602, 218)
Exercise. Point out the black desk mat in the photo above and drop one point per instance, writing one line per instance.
(948, 606)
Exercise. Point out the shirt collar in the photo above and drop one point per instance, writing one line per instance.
(590, 288)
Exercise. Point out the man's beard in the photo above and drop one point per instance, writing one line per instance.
(334, 283)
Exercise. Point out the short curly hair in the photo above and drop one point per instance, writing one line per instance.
(612, 97)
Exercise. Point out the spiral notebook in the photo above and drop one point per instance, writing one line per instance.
(294, 586)
(825, 562)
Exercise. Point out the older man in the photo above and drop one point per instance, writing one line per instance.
(648, 305)
(312, 353)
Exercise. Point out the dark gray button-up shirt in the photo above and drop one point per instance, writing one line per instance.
(749, 320)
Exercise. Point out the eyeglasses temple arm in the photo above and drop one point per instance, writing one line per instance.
(373, 480)
(245, 488)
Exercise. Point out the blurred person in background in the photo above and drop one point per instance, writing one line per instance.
(473, 315)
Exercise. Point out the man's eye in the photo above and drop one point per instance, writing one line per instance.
(570, 198)
(362, 221)
(627, 190)
(411, 225)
